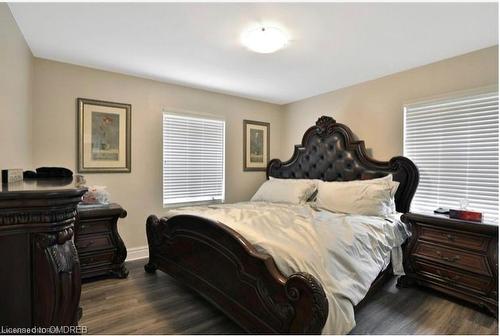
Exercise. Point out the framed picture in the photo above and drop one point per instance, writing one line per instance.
(103, 136)
(255, 145)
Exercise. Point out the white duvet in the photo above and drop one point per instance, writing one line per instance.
(344, 252)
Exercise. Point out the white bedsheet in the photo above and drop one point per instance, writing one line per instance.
(344, 252)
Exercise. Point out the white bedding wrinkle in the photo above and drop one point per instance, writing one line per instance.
(344, 252)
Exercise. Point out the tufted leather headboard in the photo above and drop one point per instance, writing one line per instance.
(329, 152)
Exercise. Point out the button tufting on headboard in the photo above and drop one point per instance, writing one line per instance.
(333, 154)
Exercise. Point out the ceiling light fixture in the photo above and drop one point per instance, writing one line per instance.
(264, 40)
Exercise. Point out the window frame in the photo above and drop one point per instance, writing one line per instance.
(195, 115)
(455, 96)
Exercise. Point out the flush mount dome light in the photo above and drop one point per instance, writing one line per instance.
(264, 40)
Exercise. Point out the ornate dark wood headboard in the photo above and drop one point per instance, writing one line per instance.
(330, 152)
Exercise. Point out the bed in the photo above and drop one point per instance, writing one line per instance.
(247, 283)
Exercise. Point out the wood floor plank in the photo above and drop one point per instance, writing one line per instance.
(157, 304)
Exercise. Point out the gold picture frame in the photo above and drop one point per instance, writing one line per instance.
(256, 145)
(104, 136)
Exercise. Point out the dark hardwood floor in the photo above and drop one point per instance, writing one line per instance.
(157, 304)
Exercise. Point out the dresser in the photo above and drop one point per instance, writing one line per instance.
(456, 257)
(39, 267)
(100, 247)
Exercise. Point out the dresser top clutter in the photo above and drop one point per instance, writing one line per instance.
(32, 194)
(50, 188)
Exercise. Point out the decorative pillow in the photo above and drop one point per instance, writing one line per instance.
(363, 197)
(294, 191)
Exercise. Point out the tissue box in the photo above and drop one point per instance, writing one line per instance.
(466, 215)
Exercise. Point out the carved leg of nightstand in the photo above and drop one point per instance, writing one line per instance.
(494, 311)
(121, 272)
(150, 267)
(405, 281)
(490, 308)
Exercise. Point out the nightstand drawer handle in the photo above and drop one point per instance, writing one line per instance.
(450, 237)
(449, 259)
(448, 278)
(83, 227)
(88, 244)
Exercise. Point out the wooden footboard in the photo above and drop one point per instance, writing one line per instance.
(227, 270)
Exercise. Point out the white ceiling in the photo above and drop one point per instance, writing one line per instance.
(197, 44)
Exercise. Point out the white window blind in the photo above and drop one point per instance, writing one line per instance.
(454, 144)
(193, 159)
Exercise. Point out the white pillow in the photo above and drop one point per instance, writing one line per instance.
(386, 179)
(392, 184)
(312, 196)
(363, 197)
(294, 191)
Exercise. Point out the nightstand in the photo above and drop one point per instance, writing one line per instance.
(456, 257)
(100, 247)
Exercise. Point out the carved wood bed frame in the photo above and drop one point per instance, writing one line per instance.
(223, 267)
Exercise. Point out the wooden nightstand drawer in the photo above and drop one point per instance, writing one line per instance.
(97, 259)
(453, 238)
(101, 250)
(94, 226)
(454, 278)
(93, 242)
(456, 258)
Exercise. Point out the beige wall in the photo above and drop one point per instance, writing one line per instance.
(47, 136)
(16, 75)
(56, 87)
(373, 109)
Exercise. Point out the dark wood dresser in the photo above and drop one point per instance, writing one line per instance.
(456, 257)
(101, 250)
(39, 269)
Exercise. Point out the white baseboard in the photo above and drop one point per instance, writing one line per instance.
(135, 253)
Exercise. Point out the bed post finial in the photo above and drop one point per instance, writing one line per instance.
(325, 125)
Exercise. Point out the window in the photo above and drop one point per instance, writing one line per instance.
(454, 144)
(193, 159)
